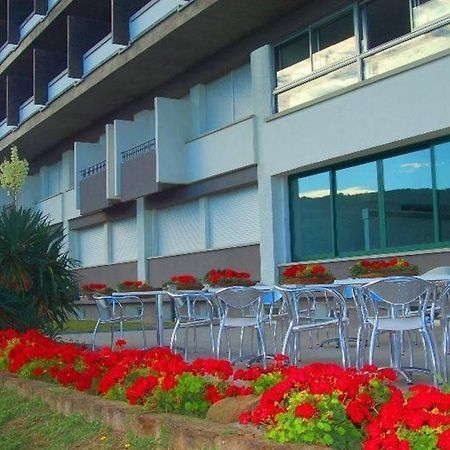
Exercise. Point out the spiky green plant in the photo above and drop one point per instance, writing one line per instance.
(37, 285)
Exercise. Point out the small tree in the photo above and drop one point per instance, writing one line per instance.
(13, 174)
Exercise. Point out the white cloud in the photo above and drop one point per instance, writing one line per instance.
(412, 167)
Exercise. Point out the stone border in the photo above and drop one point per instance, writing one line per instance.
(175, 432)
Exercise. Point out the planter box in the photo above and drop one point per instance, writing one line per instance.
(387, 274)
(309, 280)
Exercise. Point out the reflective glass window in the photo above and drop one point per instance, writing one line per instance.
(311, 216)
(357, 216)
(442, 167)
(408, 200)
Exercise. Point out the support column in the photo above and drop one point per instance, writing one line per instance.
(144, 226)
(271, 190)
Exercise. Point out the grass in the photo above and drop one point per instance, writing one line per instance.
(31, 425)
(87, 326)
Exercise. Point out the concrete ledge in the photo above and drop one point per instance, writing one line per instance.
(175, 432)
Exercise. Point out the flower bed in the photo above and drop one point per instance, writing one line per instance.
(133, 286)
(319, 403)
(383, 268)
(306, 274)
(228, 277)
(184, 283)
(91, 289)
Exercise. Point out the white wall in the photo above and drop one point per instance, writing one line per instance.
(173, 122)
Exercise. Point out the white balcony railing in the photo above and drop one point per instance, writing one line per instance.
(4, 128)
(27, 109)
(52, 3)
(5, 50)
(151, 14)
(59, 85)
(30, 22)
(98, 54)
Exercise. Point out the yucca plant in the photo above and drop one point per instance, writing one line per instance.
(37, 285)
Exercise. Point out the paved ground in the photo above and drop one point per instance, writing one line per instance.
(310, 350)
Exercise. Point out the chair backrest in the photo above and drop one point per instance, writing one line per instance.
(442, 270)
(187, 304)
(309, 303)
(395, 296)
(106, 307)
(239, 301)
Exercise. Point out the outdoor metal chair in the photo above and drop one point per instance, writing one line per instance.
(112, 311)
(188, 314)
(313, 308)
(241, 308)
(398, 305)
(444, 302)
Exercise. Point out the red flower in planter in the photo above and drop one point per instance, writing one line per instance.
(305, 410)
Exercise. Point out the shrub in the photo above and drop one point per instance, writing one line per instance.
(37, 286)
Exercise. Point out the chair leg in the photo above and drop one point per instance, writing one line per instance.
(112, 335)
(195, 339)
(219, 339)
(262, 344)
(143, 335)
(286, 340)
(94, 333)
(429, 338)
(174, 335)
(211, 328)
(186, 342)
(241, 339)
(343, 341)
(373, 341)
(361, 345)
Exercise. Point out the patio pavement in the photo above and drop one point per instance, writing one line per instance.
(310, 350)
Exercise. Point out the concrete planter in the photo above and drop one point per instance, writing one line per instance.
(174, 432)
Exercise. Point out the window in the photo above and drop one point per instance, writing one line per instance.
(357, 212)
(408, 199)
(330, 56)
(228, 98)
(311, 213)
(91, 246)
(123, 240)
(397, 202)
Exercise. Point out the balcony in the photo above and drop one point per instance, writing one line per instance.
(59, 85)
(27, 109)
(139, 171)
(4, 128)
(151, 14)
(52, 207)
(93, 188)
(100, 53)
(5, 50)
(224, 150)
(30, 22)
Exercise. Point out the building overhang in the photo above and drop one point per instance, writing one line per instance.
(166, 52)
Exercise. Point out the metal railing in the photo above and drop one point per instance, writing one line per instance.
(138, 150)
(94, 169)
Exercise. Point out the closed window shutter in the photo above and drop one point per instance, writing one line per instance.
(179, 229)
(54, 172)
(91, 246)
(234, 218)
(124, 240)
(219, 103)
(242, 92)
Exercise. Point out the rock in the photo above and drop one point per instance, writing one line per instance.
(229, 409)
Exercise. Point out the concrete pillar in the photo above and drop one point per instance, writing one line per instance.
(262, 71)
(144, 226)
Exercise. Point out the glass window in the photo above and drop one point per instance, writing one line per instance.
(385, 20)
(357, 218)
(327, 84)
(294, 60)
(408, 199)
(311, 216)
(333, 42)
(426, 11)
(442, 167)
